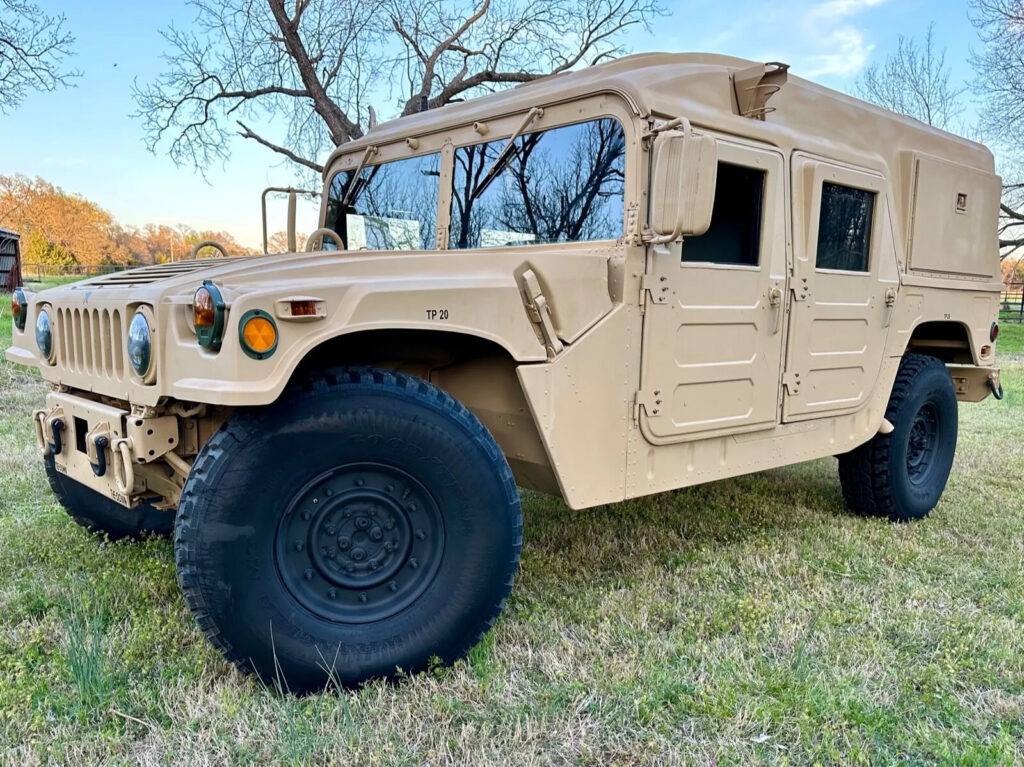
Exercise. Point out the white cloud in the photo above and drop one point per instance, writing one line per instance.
(836, 9)
(847, 54)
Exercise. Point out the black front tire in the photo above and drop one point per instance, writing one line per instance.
(902, 475)
(103, 516)
(366, 522)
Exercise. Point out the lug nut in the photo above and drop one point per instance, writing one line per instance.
(333, 593)
(362, 597)
(393, 586)
(420, 534)
(308, 575)
(414, 563)
(299, 545)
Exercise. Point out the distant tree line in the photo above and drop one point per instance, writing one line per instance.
(61, 229)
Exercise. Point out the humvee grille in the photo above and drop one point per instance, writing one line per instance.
(146, 274)
(91, 341)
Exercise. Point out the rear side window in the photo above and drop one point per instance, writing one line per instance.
(735, 233)
(844, 230)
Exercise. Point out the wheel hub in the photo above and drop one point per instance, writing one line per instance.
(921, 443)
(359, 543)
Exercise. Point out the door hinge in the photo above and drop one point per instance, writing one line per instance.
(792, 383)
(657, 285)
(540, 312)
(801, 289)
(650, 401)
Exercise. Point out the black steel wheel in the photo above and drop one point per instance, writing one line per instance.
(365, 523)
(902, 475)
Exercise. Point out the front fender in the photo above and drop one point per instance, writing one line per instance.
(485, 302)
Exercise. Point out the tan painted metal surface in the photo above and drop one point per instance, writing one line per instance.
(609, 367)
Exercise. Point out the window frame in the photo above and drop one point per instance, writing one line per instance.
(818, 172)
(755, 157)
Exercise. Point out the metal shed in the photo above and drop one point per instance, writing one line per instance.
(10, 259)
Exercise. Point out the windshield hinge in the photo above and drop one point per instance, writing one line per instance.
(539, 312)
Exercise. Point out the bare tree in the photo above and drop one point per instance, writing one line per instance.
(915, 81)
(314, 64)
(33, 49)
(1000, 67)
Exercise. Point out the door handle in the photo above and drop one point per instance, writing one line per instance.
(775, 302)
(890, 305)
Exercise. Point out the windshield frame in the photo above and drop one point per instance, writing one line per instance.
(445, 140)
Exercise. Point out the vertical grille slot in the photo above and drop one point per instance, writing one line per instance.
(117, 346)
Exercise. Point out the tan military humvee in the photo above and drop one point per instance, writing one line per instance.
(657, 272)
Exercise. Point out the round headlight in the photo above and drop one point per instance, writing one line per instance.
(44, 334)
(140, 344)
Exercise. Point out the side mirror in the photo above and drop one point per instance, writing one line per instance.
(684, 171)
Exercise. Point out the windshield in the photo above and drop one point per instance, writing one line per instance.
(390, 207)
(559, 185)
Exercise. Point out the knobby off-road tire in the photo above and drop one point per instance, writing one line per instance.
(101, 515)
(365, 522)
(902, 475)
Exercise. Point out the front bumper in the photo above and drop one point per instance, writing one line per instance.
(100, 446)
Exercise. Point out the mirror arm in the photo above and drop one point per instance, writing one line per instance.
(263, 204)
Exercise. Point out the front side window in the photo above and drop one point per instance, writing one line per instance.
(734, 236)
(844, 229)
(392, 206)
(560, 185)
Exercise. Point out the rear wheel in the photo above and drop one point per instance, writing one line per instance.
(366, 522)
(99, 514)
(901, 475)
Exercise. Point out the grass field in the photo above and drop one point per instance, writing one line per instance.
(751, 621)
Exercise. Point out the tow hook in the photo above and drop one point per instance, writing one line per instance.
(99, 468)
(997, 388)
(56, 426)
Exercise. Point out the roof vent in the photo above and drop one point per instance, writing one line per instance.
(755, 85)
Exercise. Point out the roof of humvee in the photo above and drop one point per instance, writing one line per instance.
(698, 86)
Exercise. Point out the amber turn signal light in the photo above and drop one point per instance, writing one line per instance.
(257, 333)
(19, 308)
(208, 315)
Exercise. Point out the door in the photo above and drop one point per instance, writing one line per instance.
(712, 340)
(845, 278)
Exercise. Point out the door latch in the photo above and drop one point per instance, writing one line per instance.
(775, 302)
(890, 305)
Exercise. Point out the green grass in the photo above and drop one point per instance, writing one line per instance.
(747, 622)
(1011, 338)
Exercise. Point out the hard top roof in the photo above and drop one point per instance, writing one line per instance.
(698, 86)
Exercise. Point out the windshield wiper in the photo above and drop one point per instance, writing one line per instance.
(501, 161)
(356, 187)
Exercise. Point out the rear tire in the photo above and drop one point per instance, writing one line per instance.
(101, 515)
(903, 474)
(366, 522)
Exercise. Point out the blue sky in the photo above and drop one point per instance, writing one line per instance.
(85, 141)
